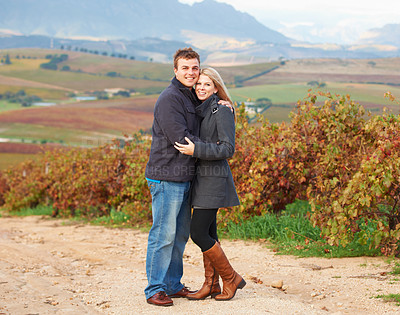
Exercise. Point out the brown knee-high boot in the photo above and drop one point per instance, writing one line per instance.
(230, 278)
(210, 285)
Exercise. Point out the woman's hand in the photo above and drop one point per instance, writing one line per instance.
(187, 149)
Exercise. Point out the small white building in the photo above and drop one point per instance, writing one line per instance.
(110, 92)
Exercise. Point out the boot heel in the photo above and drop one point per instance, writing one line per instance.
(241, 284)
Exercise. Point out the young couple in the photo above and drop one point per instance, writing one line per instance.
(192, 136)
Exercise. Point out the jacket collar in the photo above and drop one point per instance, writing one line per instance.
(204, 107)
(189, 92)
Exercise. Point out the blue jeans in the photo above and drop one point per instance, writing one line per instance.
(168, 236)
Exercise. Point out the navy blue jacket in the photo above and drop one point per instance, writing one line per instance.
(174, 119)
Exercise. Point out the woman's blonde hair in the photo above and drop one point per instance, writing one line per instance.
(213, 74)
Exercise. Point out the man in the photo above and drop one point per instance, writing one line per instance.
(169, 173)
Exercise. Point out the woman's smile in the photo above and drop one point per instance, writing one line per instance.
(205, 87)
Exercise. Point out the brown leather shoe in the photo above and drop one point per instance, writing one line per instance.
(182, 293)
(160, 299)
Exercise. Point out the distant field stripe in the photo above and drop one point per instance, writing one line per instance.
(89, 119)
(10, 159)
(11, 80)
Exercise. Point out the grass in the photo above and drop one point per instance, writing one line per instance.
(39, 210)
(277, 93)
(115, 219)
(6, 106)
(390, 298)
(43, 93)
(292, 233)
(396, 269)
(22, 64)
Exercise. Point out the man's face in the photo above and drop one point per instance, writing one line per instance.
(187, 72)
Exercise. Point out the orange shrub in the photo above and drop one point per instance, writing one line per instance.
(3, 188)
(346, 164)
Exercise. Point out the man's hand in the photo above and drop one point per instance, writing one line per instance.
(187, 149)
(226, 103)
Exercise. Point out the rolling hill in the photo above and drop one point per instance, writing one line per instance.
(96, 121)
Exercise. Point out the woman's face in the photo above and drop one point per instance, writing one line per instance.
(205, 87)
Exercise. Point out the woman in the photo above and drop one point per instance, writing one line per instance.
(213, 186)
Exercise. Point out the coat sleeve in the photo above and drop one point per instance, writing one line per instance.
(225, 147)
(171, 115)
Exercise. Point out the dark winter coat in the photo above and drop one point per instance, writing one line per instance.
(213, 186)
(174, 119)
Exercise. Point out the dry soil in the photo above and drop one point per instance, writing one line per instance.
(50, 266)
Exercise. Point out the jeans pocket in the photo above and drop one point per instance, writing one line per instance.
(153, 186)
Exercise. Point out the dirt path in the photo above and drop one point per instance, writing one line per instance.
(51, 267)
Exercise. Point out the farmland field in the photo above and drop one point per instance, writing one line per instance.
(128, 68)
(105, 120)
(31, 133)
(94, 122)
(75, 81)
(6, 106)
(371, 96)
(44, 93)
(11, 159)
(13, 153)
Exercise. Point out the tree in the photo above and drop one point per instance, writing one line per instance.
(122, 93)
(21, 93)
(113, 74)
(7, 60)
(48, 66)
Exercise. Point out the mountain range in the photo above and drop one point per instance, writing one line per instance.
(151, 29)
(131, 19)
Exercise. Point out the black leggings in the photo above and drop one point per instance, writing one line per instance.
(203, 228)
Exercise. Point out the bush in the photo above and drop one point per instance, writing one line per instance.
(4, 188)
(49, 66)
(345, 165)
(28, 185)
(88, 182)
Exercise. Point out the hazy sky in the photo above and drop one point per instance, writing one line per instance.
(336, 21)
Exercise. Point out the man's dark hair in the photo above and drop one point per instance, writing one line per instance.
(185, 53)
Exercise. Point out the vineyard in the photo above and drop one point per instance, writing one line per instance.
(332, 153)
